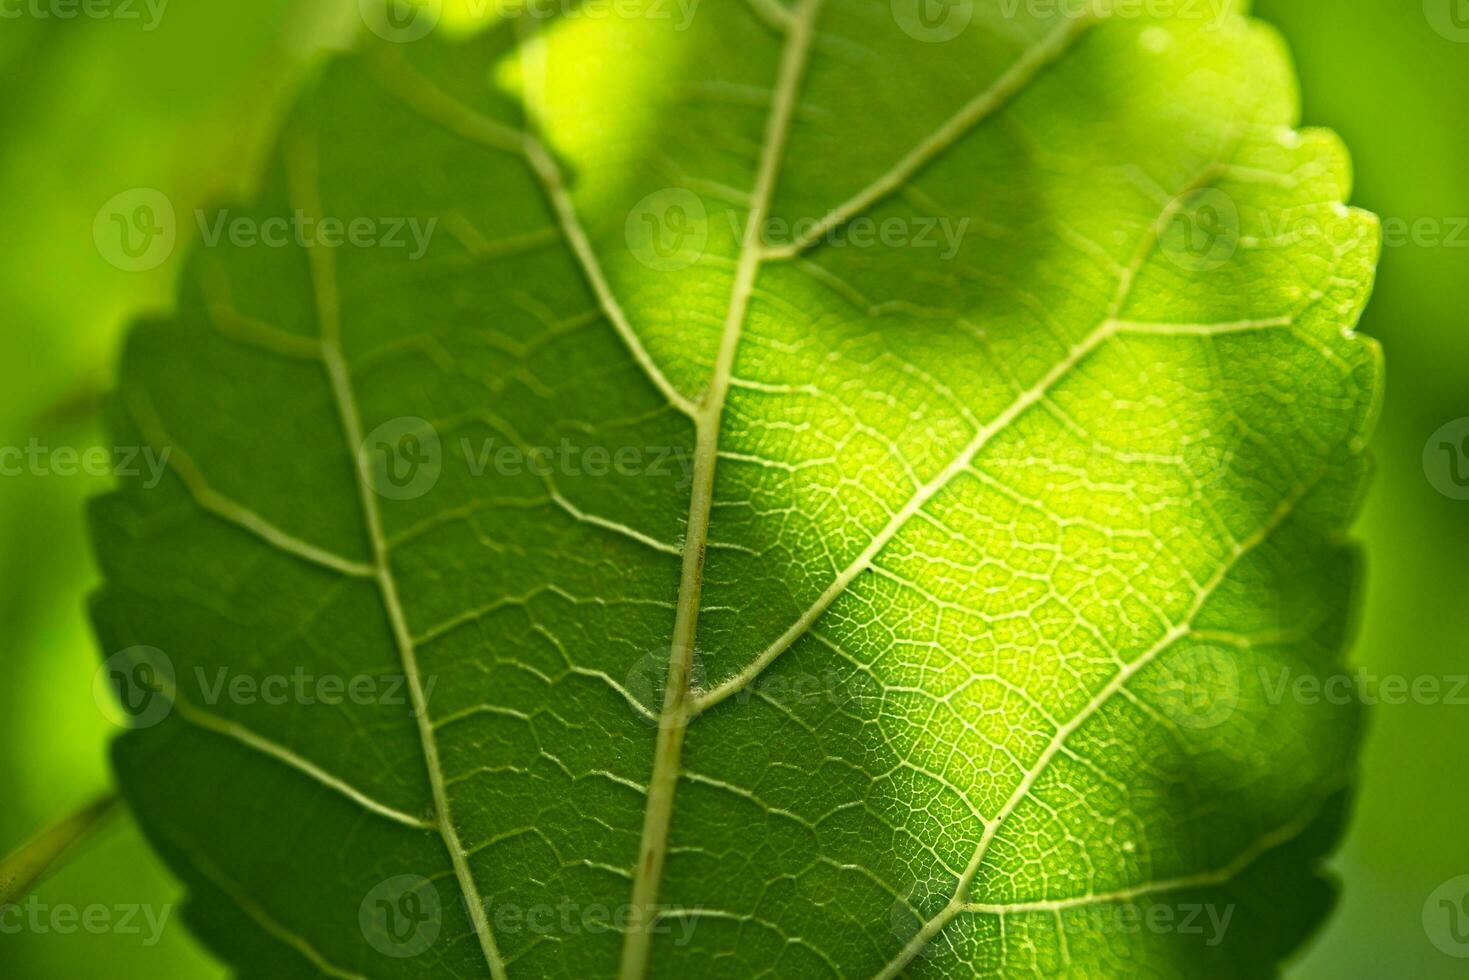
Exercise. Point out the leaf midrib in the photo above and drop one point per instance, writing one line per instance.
(678, 701)
(680, 705)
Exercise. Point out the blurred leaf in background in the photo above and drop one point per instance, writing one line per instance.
(182, 103)
(1391, 77)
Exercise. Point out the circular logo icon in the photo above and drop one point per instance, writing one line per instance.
(136, 230)
(668, 230)
(402, 458)
(647, 681)
(401, 917)
(1204, 233)
(134, 688)
(1199, 687)
(933, 21)
(1449, 17)
(1446, 917)
(1446, 460)
(1208, 460)
(923, 900)
(401, 21)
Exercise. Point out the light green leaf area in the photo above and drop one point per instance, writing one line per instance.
(782, 591)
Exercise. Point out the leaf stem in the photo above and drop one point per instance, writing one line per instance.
(24, 869)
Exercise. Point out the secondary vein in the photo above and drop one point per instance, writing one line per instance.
(438, 107)
(959, 902)
(303, 171)
(1007, 87)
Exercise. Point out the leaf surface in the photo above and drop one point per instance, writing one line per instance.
(775, 587)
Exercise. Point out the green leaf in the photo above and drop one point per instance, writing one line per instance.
(841, 492)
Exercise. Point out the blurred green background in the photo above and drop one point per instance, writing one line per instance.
(96, 107)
